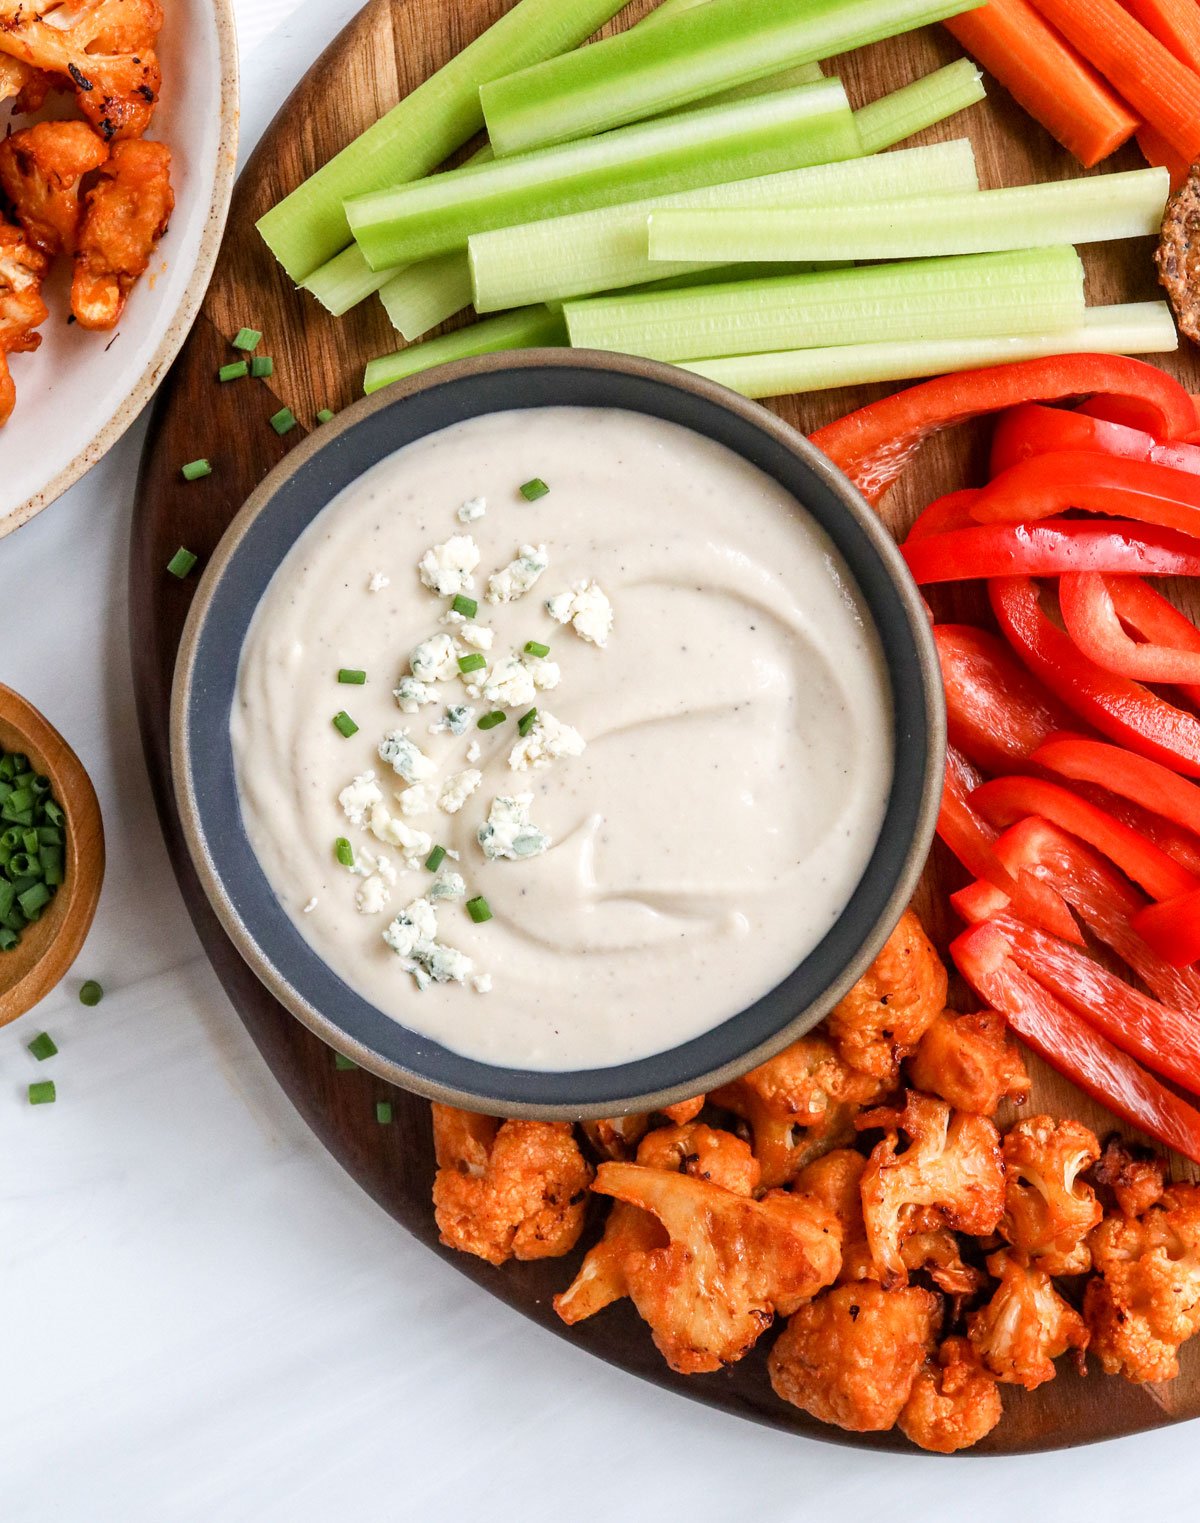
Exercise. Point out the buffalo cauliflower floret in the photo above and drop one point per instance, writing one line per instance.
(1135, 1178)
(952, 1164)
(730, 1265)
(40, 171)
(618, 1137)
(798, 1104)
(967, 1060)
(22, 270)
(891, 1007)
(953, 1402)
(1144, 1301)
(1025, 1326)
(850, 1357)
(1048, 1209)
(936, 1251)
(512, 1190)
(125, 214)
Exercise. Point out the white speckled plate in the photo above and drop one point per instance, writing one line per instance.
(79, 393)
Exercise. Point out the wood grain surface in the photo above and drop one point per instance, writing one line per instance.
(386, 50)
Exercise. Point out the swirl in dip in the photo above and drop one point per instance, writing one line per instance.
(686, 816)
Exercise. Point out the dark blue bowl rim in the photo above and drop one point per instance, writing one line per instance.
(202, 761)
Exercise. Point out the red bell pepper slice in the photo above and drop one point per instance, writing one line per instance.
(1006, 800)
(985, 959)
(1053, 547)
(1032, 429)
(953, 511)
(1123, 710)
(1091, 619)
(1051, 484)
(1154, 618)
(875, 443)
(1172, 929)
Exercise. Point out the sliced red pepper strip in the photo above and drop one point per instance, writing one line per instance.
(1172, 929)
(1154, 618)
(985, 959)
(1032, 429)
(1128, 413)
(1048, 485)
(1005, 800)
(1164, 1038)
(875, 443)
(953, 511)
(1052, 547)
(1092, 621)
(1123, 710)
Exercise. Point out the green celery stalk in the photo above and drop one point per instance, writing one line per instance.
(1143, 327)
(345, 280)
(1029, 291)
(532, 328)
(811, 125)
(1094, 210)
(785, 79)
(422, 295)
(309, 226)
(912, 108)
(685, 57)
(607, 250)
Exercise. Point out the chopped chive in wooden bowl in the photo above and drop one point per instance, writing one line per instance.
(32, 846)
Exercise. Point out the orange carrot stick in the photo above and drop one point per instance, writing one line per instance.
(1135, 63)
(1160, 153)
(1046, 76)
(1176, 24)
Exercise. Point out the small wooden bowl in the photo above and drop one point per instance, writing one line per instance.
(49, 947)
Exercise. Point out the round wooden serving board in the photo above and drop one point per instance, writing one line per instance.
(386, 50)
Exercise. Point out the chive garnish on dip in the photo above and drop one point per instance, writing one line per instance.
(479, 910)
(490, 721)
(435, 858)
(532, 490)
(527, 722)
(344, 724)
(468, 607)
(352, 676)
(472, 663)
(536, 648)
(344, 852)
(194, 470)
(247, 339)
(90, 993)
(182, 562)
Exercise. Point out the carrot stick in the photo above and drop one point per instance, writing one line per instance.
(1046, 76)
(1176, 24)
(1139, 68)
(1160, 153)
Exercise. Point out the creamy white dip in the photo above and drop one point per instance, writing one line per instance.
(735, 726)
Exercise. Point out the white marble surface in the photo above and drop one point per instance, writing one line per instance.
(205, 1319)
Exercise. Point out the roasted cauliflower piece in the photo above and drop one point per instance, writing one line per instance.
(684, 1111)
(698, 1150)
(1048, 1209)
(953, 1402)
(891, 1007)
(850, 1357)
(730, 1264)
(798, 1104)
(618, 1137)
(952, 1167)
(125, 214)
(835, 1179)
(1025, 1326)
(967, 1060)
(22, 270)
(40, 172)
(103, 49)
(1135, 1177)
(15, 77)
(1144, 1301)
(512, 1190)
(937, 1253)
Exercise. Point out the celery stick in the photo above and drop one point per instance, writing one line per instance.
(309, 226)
(644, 72)
(425, 294)
(785, 79)
(812, 125)
(1094, 210)
(1025, 292)
(606, 250)
(1143, 327)
(343, 281)
(930, 99)
(533, 328)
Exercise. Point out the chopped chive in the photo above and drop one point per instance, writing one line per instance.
(43, 1047)
(194, 470)
(261, 366)
(8, 939)
(234, 371)
(527, 722)
(383, 1112)
(182, 562)
(479, 910)
(342, 1062)
(435, 858)
(90, 993)
(34, 900)
(352, 676)
(468, 607)
(43, 1092)
(536, 648)
(472, 663)
(490, 721)
(534, 489)
(344, 852)
(344, 724)
(284, 421)
(247, 339)
(325, 415)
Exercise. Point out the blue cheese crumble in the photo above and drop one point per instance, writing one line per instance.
(586, 609)
(446, 569)
(508, 832)
(405, 757)
(548, 741)
(514, 580)
(412, 935)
